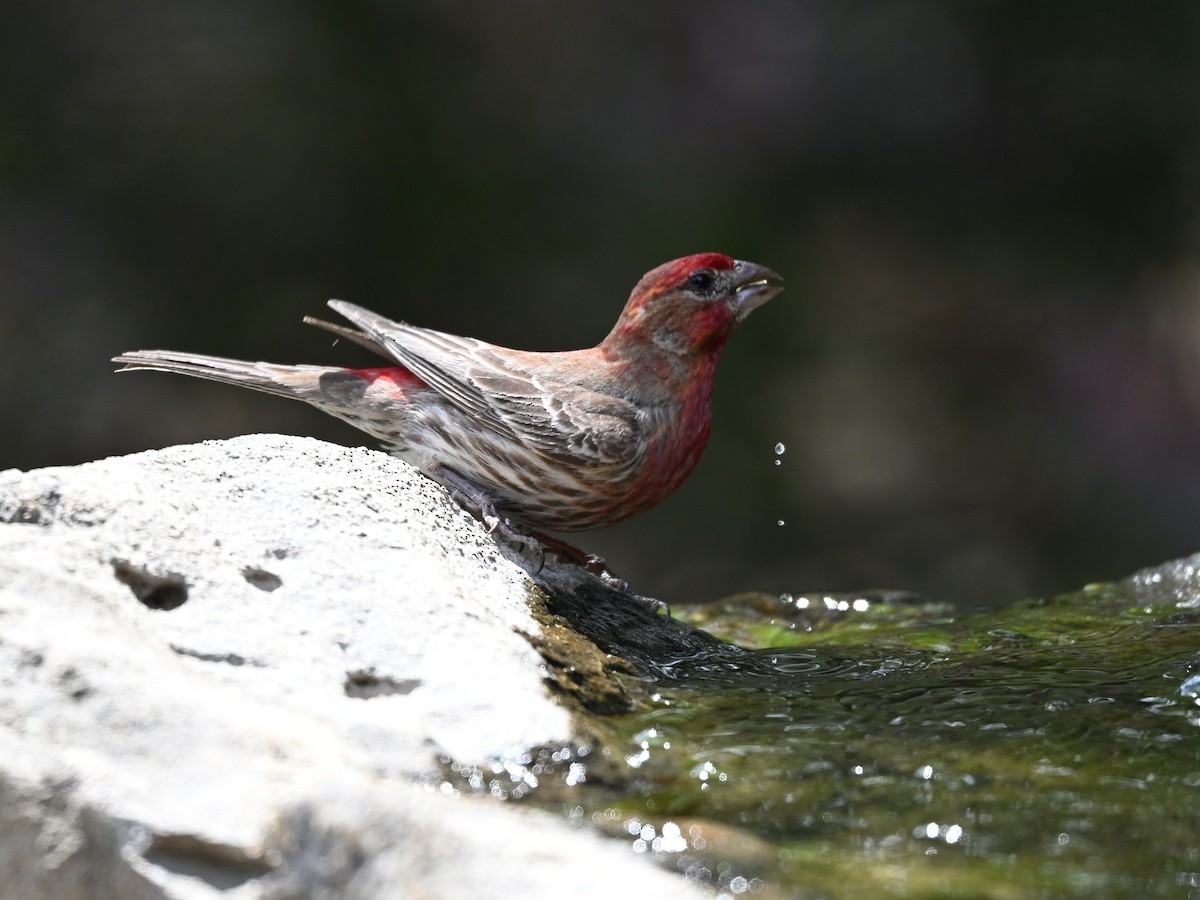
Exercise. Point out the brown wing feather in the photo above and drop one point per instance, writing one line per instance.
(500, 392)
(357, 337)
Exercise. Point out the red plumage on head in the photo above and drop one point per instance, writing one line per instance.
(678, 270)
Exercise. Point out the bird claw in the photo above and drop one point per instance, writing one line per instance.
(476, 501)
(531, 548)
(525, 544)
(598, 566)
(610, 580)
(653, 604)
(534, 546)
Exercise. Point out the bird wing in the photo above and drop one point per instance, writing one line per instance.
(546, 414)
(363, 340)
(560, 420)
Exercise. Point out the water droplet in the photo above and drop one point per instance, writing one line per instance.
(779, 462)
(1191, 687)
(781, 523)
(779, 449)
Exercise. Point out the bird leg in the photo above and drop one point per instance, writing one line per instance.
(596, 565)
(589, 562)
(480, 504)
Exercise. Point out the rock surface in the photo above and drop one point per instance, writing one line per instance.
(231, 669)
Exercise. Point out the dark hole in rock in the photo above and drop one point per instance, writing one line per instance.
(219, 865)
(365, 684)
(168, 591)
(75, 685)
(261, 578)
(232, 659)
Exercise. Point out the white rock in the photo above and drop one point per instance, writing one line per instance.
(337, 626)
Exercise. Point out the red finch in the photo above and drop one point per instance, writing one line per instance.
(565, 441)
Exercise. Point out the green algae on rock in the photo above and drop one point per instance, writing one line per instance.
(895, 747)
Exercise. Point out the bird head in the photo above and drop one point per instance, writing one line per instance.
(690, 306)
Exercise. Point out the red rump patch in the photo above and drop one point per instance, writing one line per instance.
(397, 376)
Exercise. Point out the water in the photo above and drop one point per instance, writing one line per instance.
(886, 746)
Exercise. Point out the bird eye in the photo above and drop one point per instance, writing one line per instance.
(701, 281)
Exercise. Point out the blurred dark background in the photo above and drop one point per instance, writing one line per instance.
(985, 368)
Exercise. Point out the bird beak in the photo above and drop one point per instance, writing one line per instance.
(755, 285)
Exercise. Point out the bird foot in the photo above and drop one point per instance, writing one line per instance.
(533, 545)
(598, 566)
(524, 543)
(477, 502)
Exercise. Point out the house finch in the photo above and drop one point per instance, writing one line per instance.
(565, 441)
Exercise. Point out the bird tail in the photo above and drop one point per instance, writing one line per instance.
(295, 382)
